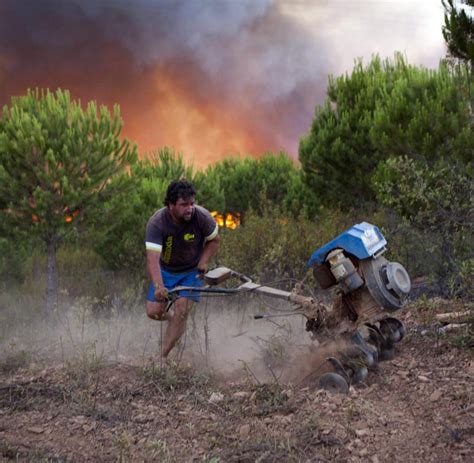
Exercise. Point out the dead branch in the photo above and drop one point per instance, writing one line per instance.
(455, 317)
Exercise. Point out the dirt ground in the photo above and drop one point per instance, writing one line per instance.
(417, 407)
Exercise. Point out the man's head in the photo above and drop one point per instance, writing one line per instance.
(180, 200)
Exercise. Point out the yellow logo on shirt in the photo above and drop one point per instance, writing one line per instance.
(189, 237)
(168, 250)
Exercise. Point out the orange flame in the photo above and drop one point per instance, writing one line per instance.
(69, 216)
(227, 220)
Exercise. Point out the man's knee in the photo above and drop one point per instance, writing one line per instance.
(183, 307)
(155, 311)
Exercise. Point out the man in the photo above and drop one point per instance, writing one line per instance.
(180, 240)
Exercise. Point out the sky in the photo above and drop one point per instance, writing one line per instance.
(208, 78)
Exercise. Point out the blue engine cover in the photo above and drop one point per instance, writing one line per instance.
(362, 240)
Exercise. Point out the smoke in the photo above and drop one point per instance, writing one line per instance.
(210, 78)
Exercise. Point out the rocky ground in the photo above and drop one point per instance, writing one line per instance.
(417, 407)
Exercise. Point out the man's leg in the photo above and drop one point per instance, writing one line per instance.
(177, 317)
(157, 310)
(176, 324)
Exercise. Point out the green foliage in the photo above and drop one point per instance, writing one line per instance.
(12, 256)
(437, 199)
(245, 183)
(458, 31)
(387, 108)
(417, 250)
(439, 196)
(56, 162)
(209, 190)
(461, 283)
(273, 246)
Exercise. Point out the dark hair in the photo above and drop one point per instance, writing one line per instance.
(179, 189)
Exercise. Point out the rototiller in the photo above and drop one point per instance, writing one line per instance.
(365, 289)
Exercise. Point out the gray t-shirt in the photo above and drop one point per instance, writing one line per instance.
(180, 246)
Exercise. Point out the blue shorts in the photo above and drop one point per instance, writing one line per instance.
(171, 280)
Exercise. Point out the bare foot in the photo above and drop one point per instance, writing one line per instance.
(164, 363)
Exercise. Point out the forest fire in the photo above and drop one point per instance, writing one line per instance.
(227, 220)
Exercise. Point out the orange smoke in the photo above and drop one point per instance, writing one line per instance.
(203, 133)
(167, 93)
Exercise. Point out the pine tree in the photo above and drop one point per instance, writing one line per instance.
(246, 182)
(388, 108)
(56, 164)
(458, 30)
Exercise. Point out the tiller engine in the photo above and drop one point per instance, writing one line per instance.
(365, 289)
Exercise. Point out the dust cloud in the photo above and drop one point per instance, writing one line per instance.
(222, 337)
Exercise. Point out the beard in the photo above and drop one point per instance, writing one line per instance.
(186, 217)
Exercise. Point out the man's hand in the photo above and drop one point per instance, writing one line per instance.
(161, 293)
(202, 268)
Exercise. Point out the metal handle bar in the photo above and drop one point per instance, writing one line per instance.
(203, 289)
(306, 304)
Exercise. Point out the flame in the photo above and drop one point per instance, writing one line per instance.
(227, 220)
(69, 216)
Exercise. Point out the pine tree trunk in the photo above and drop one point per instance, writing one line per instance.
(51, 279)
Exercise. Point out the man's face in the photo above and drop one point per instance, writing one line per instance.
(183, 209)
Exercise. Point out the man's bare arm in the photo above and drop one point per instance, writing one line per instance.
(154, 272)
(210, 249)
(153, 267)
